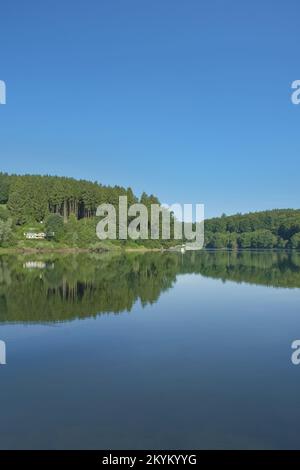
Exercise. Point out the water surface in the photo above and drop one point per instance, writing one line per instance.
(150, 351)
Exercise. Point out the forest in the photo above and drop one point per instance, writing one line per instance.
(65, 209)
(62, 206)
(278, 228)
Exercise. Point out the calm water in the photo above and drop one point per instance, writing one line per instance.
(150, 351)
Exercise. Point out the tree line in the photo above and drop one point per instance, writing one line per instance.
(279, 228)
(34, 197)
(67, 207)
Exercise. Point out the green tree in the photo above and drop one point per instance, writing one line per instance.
(54, 226)
(5, 231)
(4, 187)
(17, 202)
(295, 241)
(4, 214)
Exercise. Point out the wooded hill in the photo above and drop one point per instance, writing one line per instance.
(62, 206)
(279, 228)
(33, 197)
(67, 207)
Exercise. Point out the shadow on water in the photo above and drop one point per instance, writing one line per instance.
(48, 288)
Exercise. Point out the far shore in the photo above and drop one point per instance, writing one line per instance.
(76, 250)
(119, 250)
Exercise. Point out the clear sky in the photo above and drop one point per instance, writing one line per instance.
(190, 100)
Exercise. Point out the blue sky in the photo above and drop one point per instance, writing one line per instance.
(189, 100)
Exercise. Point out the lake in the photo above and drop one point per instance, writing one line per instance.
(153, 350)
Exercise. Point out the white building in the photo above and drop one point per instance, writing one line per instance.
(35, 235)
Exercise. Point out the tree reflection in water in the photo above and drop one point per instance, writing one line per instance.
(48, 288)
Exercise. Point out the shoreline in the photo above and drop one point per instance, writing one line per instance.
(77, 250)
(66, 250)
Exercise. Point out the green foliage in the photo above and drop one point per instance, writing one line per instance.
(295, 241)
(64, 287)
(258, 230)
(4, 214)
(5, 232)
(4, 187)
(27, 199)
(54, 226)
(33, 199)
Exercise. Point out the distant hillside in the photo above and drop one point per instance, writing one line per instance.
(279, 228)
(67, 208)
(62, 206)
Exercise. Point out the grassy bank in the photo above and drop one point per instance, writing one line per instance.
(52, 247)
